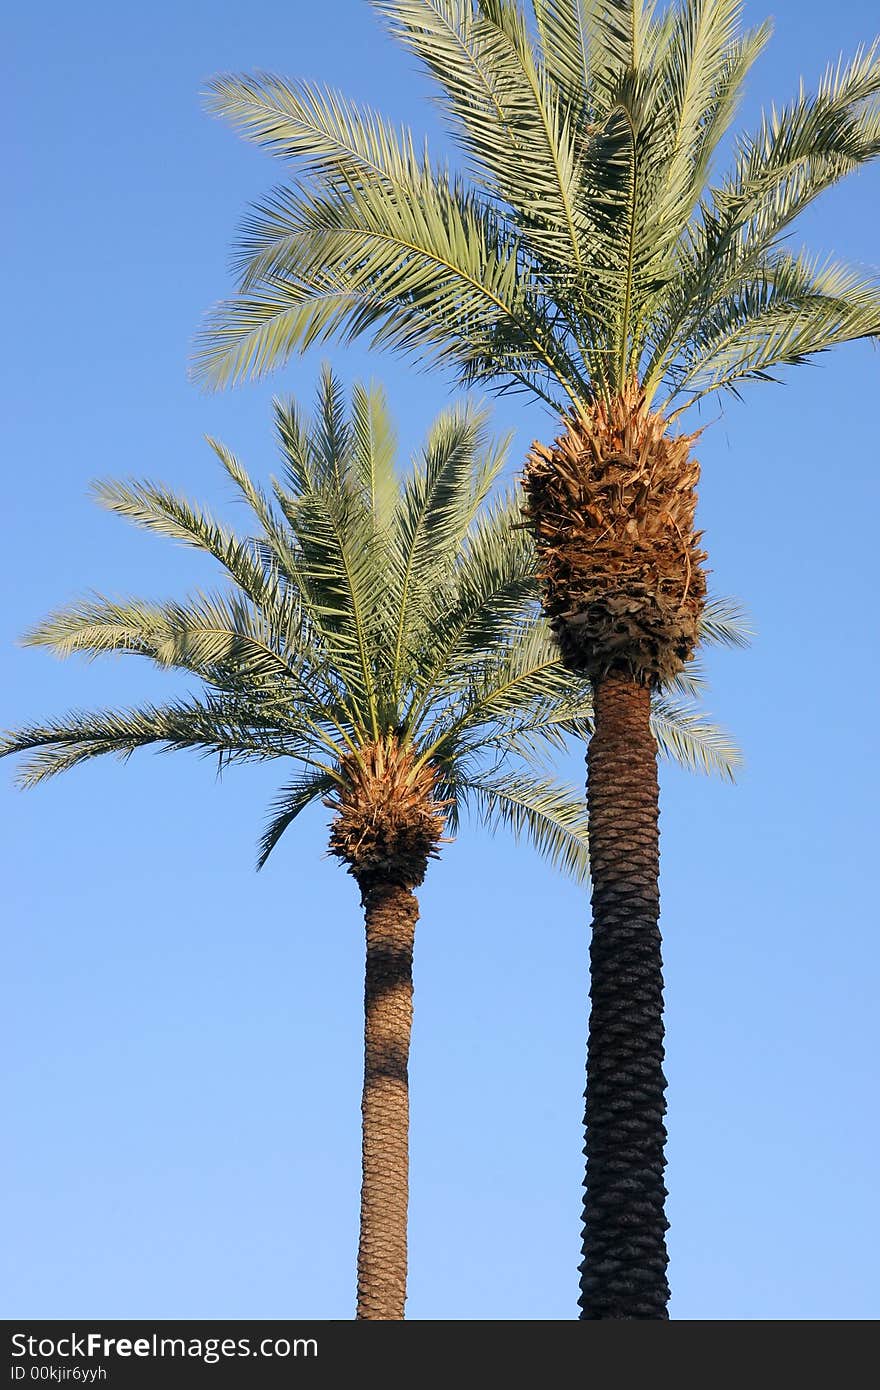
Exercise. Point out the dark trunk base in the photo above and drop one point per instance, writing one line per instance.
(623, 1274)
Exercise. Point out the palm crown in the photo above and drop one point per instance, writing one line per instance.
(365, 608)
(587, 244)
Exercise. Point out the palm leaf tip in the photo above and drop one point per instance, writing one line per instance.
(686, 736)
(552, 816)
(291, 801)
(725, 622)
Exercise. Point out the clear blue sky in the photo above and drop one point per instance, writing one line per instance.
(184, 1036)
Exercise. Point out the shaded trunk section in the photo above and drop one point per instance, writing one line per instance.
(391, 912)
(623, 1274)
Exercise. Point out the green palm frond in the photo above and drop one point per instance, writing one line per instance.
(323, 130)
(439, 499)
(553, 817)
(526, 672)
(799, 311)
(705, 62)
(339, 535)
(203, 635)
(724, 623)
(374, 452)
(289, 803)
(594, 240)
(155, 508)
(275, 542)
(492, 589)
(805, 147)
(223, 639)
(685, 736)
(509, 117)
(399, 263)
(96, 625)
(341, 574)
(210, 726)
(568, 31)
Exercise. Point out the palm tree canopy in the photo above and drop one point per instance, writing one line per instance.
(363, 605)
(587, 240)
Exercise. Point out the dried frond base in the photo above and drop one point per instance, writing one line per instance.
(388, 823)
(612, 508)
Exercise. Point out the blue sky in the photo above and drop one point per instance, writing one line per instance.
(183, 1036)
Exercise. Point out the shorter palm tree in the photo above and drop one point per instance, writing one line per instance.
(383, 633)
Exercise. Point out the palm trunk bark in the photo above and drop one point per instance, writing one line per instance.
(624, 1270)
(390, 912)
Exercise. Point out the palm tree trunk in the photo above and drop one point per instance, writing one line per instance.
(624, 1270)
(390, 912)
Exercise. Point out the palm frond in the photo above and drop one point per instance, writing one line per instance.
(493, 588)
(289, 803)
(568, 31)
(706, 62)
(374, 450)
(211, 726)
(805, 147)
(685, 736)
(725, 623)
(401, 263)
(436, 506)
(798, 310)
(223, 638)
(155, 508)
(526, 673)
(505, 110)
(553, 817)
(332, 137)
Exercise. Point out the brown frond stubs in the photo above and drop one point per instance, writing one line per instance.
(612, 506)
(388, 823)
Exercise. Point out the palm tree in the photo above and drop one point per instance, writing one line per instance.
(384, 634)
(587, 256)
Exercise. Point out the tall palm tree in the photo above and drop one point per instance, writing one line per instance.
(383, 633)
(588, 256)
